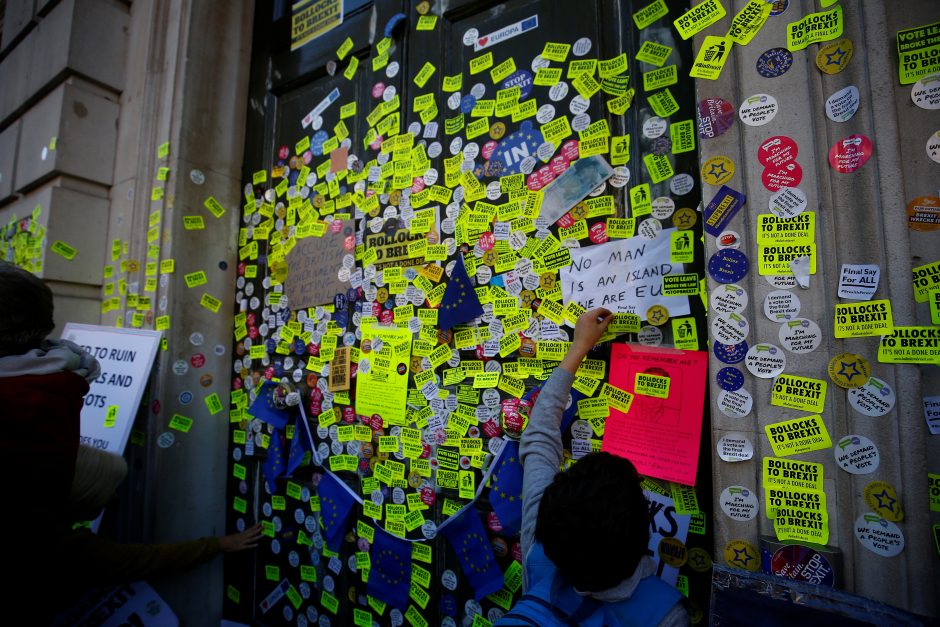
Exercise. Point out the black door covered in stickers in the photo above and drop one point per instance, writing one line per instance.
(409, 137)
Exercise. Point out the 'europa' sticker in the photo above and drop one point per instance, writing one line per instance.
(739, 503)
(856, 454)
(878, 535)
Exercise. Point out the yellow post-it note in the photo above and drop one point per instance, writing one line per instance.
(111, 417)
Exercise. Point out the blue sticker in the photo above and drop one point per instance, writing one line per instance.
(730, 353)
(779, 7)
(730, 379)
(467, 103)
(516, 147)
(317, 141)
(521, 79)
(270, 345)
(339, 302)
(728, 265)
(775, 62)
(186, 397)
(352, 295)
(300, 347)
(722, 208)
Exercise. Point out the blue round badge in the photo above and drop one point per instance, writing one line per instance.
(317, 141)
(728, 265)
(516, 147)
(339, 302)
(521, 79)
(186, 397)
(730, 353)
(730, 379)
(467, 103)
(775, 62)
(779, 7)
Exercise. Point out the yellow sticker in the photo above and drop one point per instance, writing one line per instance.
(883, 500)
(801, 435)
(801, 393)
(848, 370)
(910, 345)
(814, 28)
(925, 278)
(749, 21)
(650, 13)
(345, 48)
(64, 250)
(193, 223)
(711, 57)
(918, 52)
(658, 166)
(663, 103)
(775, 260)
(659, 78)
(792, 473)
(799, 515)
(699, 17)
(214, 206)
(555, 51)
(503, 70)
(653, 53)
(181, 423)
(163, 150)
(210, 302)
(933, 298)
(717, 170)
(742, 554)
(480, 63)
(424, 74)
(350, 70)
(651, 385)
(195, 279)
(800, 229)
(613, 67)
(111, 417)
(426, 22)
(548, 76)
(863, 319)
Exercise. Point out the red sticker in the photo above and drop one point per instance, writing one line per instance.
(488, 149)
(487, 241)
(715, 116)
(599, 233)
(198, 360)
(775, 178)
(777, 151)
(850, 154)
(569, 150)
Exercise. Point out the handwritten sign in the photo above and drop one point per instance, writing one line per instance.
(659, 435)
(126, 356)
(624, 276)
(312, 267)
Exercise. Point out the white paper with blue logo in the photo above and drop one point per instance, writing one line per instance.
(665, 523)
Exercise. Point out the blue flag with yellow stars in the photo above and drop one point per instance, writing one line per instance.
(390, 573)
(299, 444)
(460, 302)
(468, 539)
(569, 415)
(506, 489)
(336, 506)
(263, 407)
(275, 462)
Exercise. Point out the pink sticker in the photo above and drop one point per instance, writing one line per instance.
(850, 154)
(777, 151)
(488, 149)
(715, 116)
(776, 178)
(378, 89)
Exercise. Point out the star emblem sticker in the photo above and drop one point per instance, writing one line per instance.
(682, 219)
(742, 556)
(831, 58)
(718, 171)
(846, 367)
(888, 502)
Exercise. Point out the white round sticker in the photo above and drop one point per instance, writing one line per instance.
(737, 404)
(663, 207)
(781, 305)
(875, 398)
(800, 336)
(681, 184)
(449, 579)
(649, 228)
(579, 104)
(582, 47)
(650, 336)
(926, 92)
(581, 429)
(739, 503)
(620, 177)
(538, 62)
(470, 36)
(758, 110)
(730, 328)
(546, 113)
(787, 202)
(166, 439)
(580, 122)
(654, 127)
(765, 360)
(728, 299)
(735, 447)
(856, 454)
(933, 147)
(842, 105)
(878, 535)
(784, 281)
(392, 70)
(558, 91)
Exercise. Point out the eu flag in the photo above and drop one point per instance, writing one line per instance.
(263, 407)
(300, 444)
(468, 539)
(569, 415)
(460, 303)
(274, 463)
(390, 573)
(506, 490)
(336, 506)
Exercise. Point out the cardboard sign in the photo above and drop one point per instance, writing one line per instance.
(126, 356)
(659, 435)
(312, 267)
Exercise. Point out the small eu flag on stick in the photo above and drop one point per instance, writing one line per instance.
(460, 303)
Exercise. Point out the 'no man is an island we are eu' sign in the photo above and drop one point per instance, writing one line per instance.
(126, 356)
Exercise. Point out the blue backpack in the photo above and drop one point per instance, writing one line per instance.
(551, 602)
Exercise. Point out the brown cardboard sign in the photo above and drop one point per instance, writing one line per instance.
(313, 266)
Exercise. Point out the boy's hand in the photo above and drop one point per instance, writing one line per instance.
(590, 327)
(247, 539)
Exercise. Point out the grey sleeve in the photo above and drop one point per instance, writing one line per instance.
(541, 450)
(678, 616)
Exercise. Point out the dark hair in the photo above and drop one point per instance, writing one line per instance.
(594, 522)
(25, 310)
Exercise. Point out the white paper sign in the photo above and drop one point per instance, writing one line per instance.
(126, 356)
(623, 275)
(932, 414)
(858, 281)
(128, 604)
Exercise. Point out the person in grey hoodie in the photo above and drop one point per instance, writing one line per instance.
(585, 531)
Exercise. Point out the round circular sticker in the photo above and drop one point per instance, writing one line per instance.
(684, 218)
(856, 454)
(681, 184)
(775, 62)
(848, 370)
(735, 447)
(649, 228)
(649, 336)
(801, 563)
(787, 202)
(717, 170)
(878, 535)
(166, 439)
(883, 500)
(758, 110)
(729, 328)
(728, 265)
(728, 239)
(835, 56)
(781, 281)
(737, 404)
(776, 178)
(842, 105)
(739, 503)
(875, 398)
(765, 360)
(715, 116)
(850, 154)
(933, 147)
(730, 379)
(923, 213)
(800, 335)
(926, 92)
(742, 554)
(581, 47)
(781, 305)
(663, 207)
(699, 560)
(777, 151)
(654, 127)
(728, 299)
(730, 354)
